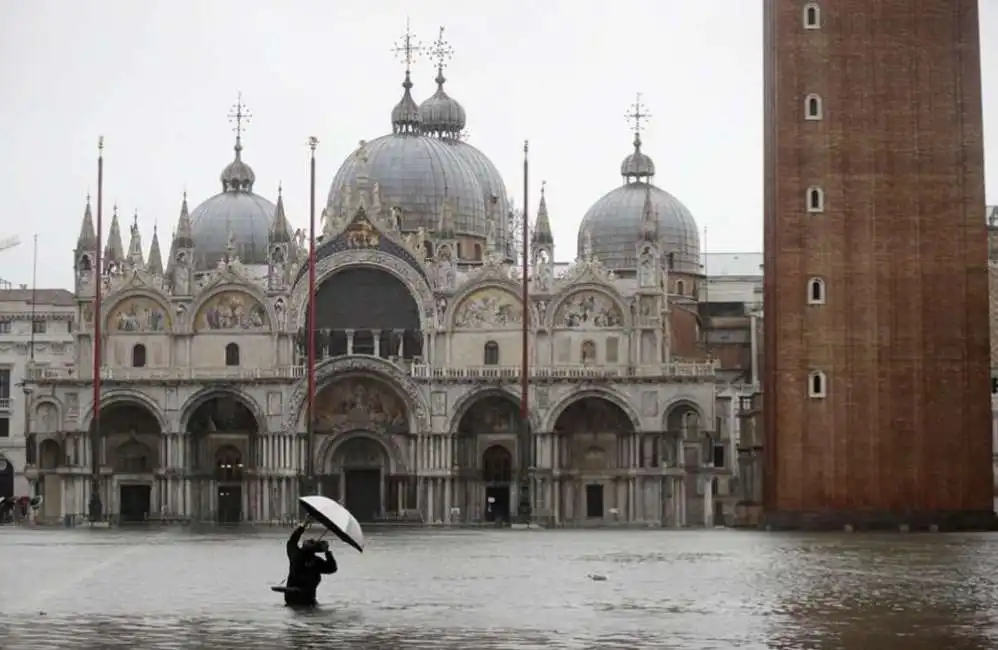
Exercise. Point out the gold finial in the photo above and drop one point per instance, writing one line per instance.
(114, 210)
(637, 113)
(441, 51)
(100, 144)
(241, 115)
(543, 185)
(408, 47)
(135, 219)
(313, 142)
(526, 147)
(280, 189)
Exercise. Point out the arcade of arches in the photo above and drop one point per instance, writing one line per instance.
(358, 420)
(363, 310)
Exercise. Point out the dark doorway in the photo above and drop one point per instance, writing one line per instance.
(230, 504)
(136, 501)
(594, 501)
(497, 503)
(363, 493)
(6, 478)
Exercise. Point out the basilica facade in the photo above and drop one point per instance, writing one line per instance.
(419, 318)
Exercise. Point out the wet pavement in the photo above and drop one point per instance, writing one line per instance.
(174, 588)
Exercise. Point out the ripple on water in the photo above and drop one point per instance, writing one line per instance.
(170, 588)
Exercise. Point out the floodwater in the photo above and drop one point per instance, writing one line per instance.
(412, 588)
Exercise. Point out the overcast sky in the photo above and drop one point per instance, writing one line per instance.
(157, 80)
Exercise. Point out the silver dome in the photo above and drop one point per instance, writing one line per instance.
(489, 179)
(245, 215)
(614, 226)
(415, 173)
(441, 114)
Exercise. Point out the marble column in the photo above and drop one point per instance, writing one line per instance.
(376, 334)
(349, 341)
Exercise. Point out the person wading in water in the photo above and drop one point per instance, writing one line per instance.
(307, 568)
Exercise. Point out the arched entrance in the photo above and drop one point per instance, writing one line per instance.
(363, 468)
(360, 419)
(486, 433)
(688, 445)
(224, 431)
(131, 435)
(594, 435)
(229, 478)
(364, 310)
(497, 475)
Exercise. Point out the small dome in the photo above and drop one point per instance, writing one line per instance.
(614, 225)
(405, 115)
(245, 216)
(416, 173)
(237, 175)
(442, 115)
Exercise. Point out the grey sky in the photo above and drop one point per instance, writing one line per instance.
(157, 79)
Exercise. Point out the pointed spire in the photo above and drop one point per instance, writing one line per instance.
(155, 264)
(237, 175)
(440, 114)
(405, 115)
(445, 229)
(114, 252)
(231, 247)
(135, 256)
(280, 229)
(542, 227)
(182, 237)
(637, 166)
(87, 241)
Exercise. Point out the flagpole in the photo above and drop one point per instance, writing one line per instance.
(96, 506)
(526, 442)
(313, 142)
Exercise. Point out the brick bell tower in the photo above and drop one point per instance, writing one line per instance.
(876, 377)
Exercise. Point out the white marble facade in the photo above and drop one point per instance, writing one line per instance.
(418, 369)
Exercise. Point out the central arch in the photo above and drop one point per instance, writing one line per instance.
(224, 426)
(364, 424)
(131, 432)
(595, 431)
(365, 310)
(333, 370)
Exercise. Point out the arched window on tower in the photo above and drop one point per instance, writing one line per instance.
(815, 199)
(680, 288)
(138, 356)
(817, 385)
(492, 353)
(812, 107)
(231, 354)
(816, 291)
(812, 16)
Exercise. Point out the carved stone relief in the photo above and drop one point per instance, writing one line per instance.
(588, 309)
(274, 402)
(47, 417)
(438, 402)
(359, 452)
(489, 308)
(649, 403)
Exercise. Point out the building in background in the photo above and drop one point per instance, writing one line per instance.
(419, 322)
(876, 337)
(36, 327)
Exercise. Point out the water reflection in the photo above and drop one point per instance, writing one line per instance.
(169, 588)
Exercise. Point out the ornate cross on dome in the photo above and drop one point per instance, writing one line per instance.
(408, 46)
(441, 50)
(637, 114)
(239, 114)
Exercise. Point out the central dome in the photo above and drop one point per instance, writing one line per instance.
(416, 173)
